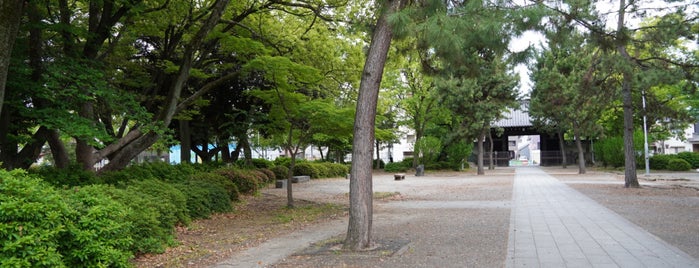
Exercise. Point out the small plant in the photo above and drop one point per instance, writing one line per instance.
(678, 165)
(396, 167)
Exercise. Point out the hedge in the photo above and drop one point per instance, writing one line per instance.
(678, 164)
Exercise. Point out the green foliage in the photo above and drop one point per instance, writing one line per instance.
(396, 167)
(660, 161)
(408, 162)
(170, 202)
(150, 235)
(678, 164)
(428, 148)
(246, 182)
(256, 163)
(33, 219)
(98, 234)
(306, 168)
(203, 198)
(280, 172)
(380, 162)
(220, 180)
(74, 175)
(691, 157)
(283, 161)
(318, 170)
(610, 151)
(457, 154)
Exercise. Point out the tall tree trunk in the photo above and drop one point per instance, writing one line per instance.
(630, 179)
(561, 142)
(481, 139)
(185, 142)
(491, 165)
(581, 152)
(378, 155)
(58, 149)
(10, 14)
(292, 154)
(361, 206)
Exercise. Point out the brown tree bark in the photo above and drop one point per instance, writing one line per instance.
(581, 153)
(185, 142)
(10, 14)
(630, 179)
(561, 142)
(361, 193)
(481, 140)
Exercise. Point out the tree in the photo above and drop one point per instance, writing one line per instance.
(571, 89)
(361, 193)
(10, 14)
(292, 113)
(675, 21)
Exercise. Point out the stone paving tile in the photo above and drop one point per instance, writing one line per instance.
(552, 225)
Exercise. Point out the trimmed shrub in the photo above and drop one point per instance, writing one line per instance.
(32, 221)
(660, 161)
(74, 175)
(170, 202)
(306, 168)
(280, 172)
(98, 235)
(396, 167)
(203, 198)
(691, 158)
(149, 234)
(217, 179)
(408, 162)
(262, 163)
(271, 176)
(678, 164)
(380, 161)
(284, 161)
(323, 169)
(246, 182)
(337, 169)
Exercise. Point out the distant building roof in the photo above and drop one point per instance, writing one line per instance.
(516, 117)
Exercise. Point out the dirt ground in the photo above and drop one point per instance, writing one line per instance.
(481, 203)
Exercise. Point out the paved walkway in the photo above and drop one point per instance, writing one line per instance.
(553, 225)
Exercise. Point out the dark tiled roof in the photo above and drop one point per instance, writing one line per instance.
(516, 117)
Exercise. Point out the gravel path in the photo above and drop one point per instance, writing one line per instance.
(462, 220)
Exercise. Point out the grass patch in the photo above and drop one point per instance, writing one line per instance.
(307, 213)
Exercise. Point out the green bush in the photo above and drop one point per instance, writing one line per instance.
(441, 165)
(691, 157)
(33, 219)
(280, 172)
(246, 182)
(204, 198)
(284, 161)
(678, 164)
(457, 155)
(380, 161)
(337, 169)
(170, 202)
(271, 176)
(610, 151)
(98, 235)
(306, 168)
(408, 162)
(149, 234)
(395, 167)
(213, 178)
(660, 161)
(73, 175)
(323, 169)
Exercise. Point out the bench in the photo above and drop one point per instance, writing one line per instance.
(302, 178)
(399, 177)
(294, 179)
